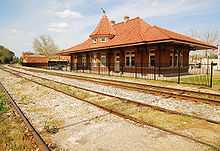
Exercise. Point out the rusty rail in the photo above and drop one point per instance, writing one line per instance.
(39, 140)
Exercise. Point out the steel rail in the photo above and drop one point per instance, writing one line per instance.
(158, 90)
(39, 140)
(121, 98)
(110, 110)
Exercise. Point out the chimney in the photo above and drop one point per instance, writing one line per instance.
(112, 22)
(126, 18)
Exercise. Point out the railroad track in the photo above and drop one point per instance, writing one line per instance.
(111, 108)
(127, 100)
(39, 140)
(194, 96)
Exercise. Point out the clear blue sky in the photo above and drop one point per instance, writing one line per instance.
(69, 22)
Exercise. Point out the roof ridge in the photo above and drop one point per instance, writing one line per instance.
(140, 32)
(122, 22)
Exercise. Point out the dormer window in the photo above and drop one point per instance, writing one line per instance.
(94, 40)
(103, 39)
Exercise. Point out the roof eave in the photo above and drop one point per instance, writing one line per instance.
(197, 45)
(192, 44)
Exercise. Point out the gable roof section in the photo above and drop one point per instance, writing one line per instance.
(134, 31)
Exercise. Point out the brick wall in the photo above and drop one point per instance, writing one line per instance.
(162, 55)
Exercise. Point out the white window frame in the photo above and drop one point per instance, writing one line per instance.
(101, 39)
(172, 59)
(94, 40)
(130, 54)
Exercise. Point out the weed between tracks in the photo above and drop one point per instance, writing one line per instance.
(12, 131)
(52, 125)
(3, 107)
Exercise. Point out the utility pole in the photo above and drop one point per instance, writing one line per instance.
(218, 56)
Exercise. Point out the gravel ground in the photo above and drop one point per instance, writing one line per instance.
(104, 133)
(203, 110)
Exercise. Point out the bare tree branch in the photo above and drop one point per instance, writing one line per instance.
(44, 45)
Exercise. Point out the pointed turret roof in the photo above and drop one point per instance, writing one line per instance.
(104, 28)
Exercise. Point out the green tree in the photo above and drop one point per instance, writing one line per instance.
(6, 56)
(44, 45)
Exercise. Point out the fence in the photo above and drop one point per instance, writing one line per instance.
(197, 74)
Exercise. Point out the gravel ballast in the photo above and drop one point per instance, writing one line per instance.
(107, 132)
(207, 111)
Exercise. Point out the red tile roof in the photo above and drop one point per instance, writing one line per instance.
(134, 31)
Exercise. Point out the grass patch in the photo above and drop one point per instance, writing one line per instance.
(3, 107)
(12, 130)
(13, 136)
(216, 81)
(52, 125)
(24, 99)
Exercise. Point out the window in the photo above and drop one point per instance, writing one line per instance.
(75, 62)
(132, 61)
(130, 58)
(178, 59)
(152, 58)
(181, 58)
(84, 60)
(94, 60)
(127, 61)
(103, 60)
(175, 60)
(94, 40)
(103, 39)
(171, 60)
(117, 58)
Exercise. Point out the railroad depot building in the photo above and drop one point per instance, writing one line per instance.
(133, 46)
(33, 60)
(36, 60)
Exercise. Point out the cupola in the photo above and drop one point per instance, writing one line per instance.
(103, 31)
